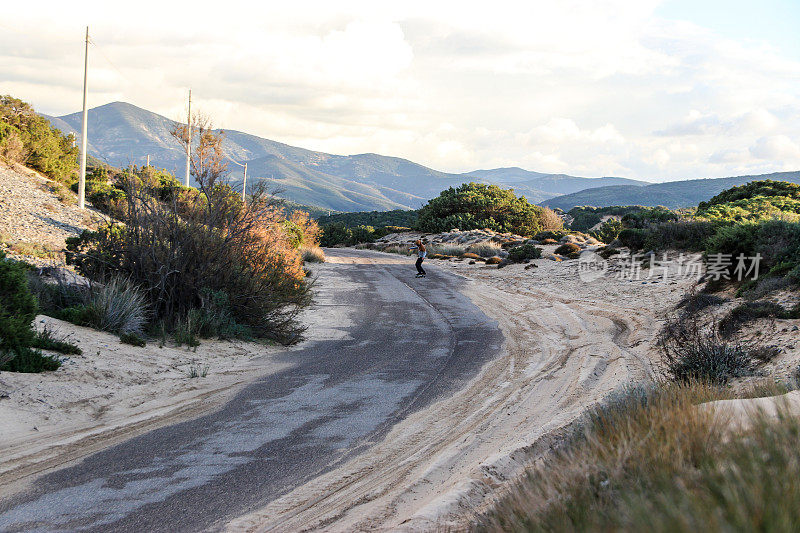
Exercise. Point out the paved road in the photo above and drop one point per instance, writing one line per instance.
(409, 341)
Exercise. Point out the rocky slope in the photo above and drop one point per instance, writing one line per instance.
(37, 215)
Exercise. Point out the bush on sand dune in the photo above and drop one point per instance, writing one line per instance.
(648, 459)
(221, 245)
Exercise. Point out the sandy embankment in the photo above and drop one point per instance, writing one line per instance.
(568, 344)
(114, 391)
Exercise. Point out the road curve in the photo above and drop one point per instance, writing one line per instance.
(408, 342)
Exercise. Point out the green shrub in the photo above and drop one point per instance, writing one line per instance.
(607, 252)
(46, 339)
(748, 312)
(103, 196)
(608, 232)
(763, 188)
(132, 339)
(17, 310)
(755, 209)
(524, 252)
(633, 238)
(685, 235)
(585, 218)
(30, 139)
(548, 234)
(341, 235)
(393, 221)
(778, 242)
(478, 206)
(569, 250)
(74, 314)
(31, 361)
(644, 217)
(215, 317)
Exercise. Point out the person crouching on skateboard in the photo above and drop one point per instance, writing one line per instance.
(421, 255)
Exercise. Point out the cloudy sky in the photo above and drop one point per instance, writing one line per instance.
(650, 89)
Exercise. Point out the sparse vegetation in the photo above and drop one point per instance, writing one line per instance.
(34, 249)
(649, 460)
(196, 370)
(749, 312)
(48, 339)
(692, 349)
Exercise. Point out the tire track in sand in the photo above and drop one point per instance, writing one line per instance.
(442, 464)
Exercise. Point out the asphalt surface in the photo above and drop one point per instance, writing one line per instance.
(408, 342)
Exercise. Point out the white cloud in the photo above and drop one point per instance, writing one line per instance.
(778, 148)
(584, 87)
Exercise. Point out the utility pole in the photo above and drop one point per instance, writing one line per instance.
(148, 160)
(244, 183)
(188, 139)
(84, 131)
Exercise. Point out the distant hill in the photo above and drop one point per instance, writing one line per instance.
(538, 187)
(121, 134)
(675, 194)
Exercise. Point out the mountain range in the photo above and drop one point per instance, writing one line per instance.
(673, 194)
(121, 134)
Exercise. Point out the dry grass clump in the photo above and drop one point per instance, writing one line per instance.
(397, 249)
(649, 460)
(570, 250)
(34, 249)
(117, 306)
(312, 254)
(486, 249)
(692, 348)
(451, 250)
